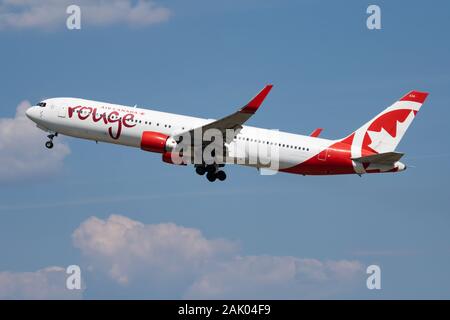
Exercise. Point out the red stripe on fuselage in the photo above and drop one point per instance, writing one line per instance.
(336, 159)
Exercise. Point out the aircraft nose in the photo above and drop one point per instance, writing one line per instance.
(31, 113)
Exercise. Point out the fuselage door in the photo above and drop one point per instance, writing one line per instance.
(62, 111)
(322, 156)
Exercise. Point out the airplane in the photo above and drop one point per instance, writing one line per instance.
(369, 149)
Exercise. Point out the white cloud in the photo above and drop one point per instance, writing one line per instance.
(48, 283)
(129, 250)
(275, 277)
(22, 150)
(48, 14)
(170, 258)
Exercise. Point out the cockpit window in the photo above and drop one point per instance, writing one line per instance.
(41, 104)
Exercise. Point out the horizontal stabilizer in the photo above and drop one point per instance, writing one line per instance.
(381, 158)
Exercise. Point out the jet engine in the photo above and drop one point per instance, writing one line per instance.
(156, 142)
(161, 143)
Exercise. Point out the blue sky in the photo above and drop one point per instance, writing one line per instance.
(206, 59)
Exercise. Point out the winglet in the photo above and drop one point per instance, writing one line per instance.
(254, 104)
(316, 133)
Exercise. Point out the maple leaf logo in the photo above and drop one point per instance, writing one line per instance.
(382, 141)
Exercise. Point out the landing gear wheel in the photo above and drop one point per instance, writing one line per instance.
(221, 175)
(211, 176)
(49, 143)
(200, 170)
(211, 168)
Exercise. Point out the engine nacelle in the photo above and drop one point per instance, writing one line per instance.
(156, 142)
(173, 158)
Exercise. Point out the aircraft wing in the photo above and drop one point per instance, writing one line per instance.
(234, 120)
(381, 158)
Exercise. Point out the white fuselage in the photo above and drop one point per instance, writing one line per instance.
(100, 121)
(368, 150)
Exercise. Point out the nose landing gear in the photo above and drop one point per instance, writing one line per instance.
(49, 143)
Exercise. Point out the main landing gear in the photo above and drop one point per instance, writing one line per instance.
(212, 171)
(49, 143)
